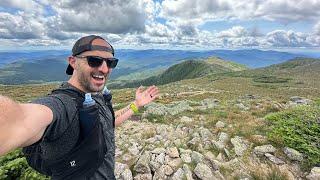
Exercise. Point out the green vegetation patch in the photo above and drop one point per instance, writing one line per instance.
(14, 166)
(298, 128)
(270, 79)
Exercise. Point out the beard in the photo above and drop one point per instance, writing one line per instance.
(85, 80)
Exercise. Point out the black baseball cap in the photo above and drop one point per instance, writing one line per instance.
(85, 44)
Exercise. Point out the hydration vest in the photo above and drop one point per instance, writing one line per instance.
(87, 153)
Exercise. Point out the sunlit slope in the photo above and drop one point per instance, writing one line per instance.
(187, 70)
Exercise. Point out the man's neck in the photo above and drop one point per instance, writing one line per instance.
(72, 81)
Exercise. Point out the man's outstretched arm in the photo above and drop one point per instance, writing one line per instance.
(143, 97)
(21, 124)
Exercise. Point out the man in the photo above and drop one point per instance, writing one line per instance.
(52, 123)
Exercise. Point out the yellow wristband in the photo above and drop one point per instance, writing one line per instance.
(134, 108)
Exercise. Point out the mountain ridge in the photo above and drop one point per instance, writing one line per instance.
(131, 61)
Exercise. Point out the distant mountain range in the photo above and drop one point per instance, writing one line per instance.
(45, 66)
(188, 69)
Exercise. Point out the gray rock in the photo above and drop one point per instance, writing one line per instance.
(180, 107)
(205, 133)
(250, 96)
(134, 150)
(185, 157)
(210, 158)
(122, 171)
(126, 175)
(222, 140)
(168, 170)
(160, 174)
(261, 150)
(226, 151)
(220, 157)
(233, 164)
(314, 174)
(158, 151)
(160, 158)
(186, 119)
(293, 154)
(299, 100)
(194, 142)
(203, 172)
(155, 108)
(274, 159)
(146, 176)
(187, 172)
(173, 152)
(218, 175)
(177, 142)
(239, 145)
(242, 106)
(210, 103)
(175, 163)
(142, 165)
(154, 166)
(220, 124)
(178, 175)
(127, 157)
(196, 157)
(157, 162)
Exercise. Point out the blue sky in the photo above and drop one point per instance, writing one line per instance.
(162, 24)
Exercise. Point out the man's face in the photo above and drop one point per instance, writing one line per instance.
(93, 79)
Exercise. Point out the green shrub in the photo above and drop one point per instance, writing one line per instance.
(298, 128)
(14, 166)
(270, 79)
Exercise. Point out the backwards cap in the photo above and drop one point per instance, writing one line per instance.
(85, 44)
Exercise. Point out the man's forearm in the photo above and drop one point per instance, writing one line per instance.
(123, 114)
(10, 113)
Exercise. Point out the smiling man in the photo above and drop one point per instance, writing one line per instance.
(51, 128)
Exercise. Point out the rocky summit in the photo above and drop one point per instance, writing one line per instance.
(187, 146)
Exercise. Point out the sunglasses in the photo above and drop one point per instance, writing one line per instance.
(96, 61)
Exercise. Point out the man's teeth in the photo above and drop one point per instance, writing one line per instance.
(97, 76)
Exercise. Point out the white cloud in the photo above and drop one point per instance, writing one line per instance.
(158, 30)
(288, 11)
(20, 26)
(135, 23)
(236, 31)
(277, 10)
(25, 5)
(317, 29)
(281, 38)
(105, 16)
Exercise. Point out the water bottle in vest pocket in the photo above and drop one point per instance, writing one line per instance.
(88, 115)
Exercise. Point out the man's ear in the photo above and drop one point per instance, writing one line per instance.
(72, 61)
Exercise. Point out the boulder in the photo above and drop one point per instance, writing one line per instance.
(147, 176)
(220, 124)
(210, 103)
(239, 145)
(314, 174)
(186, 119)
(178, 175)
(122, 171)
(142, 166)
(187, 172)
(293, 154)
(261, 150)
(222, 140)
(274, 159)
(173, 152)
(299, 100)
(197, 157)
(204, 172)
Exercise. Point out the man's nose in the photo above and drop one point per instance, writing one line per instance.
(104, 67)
